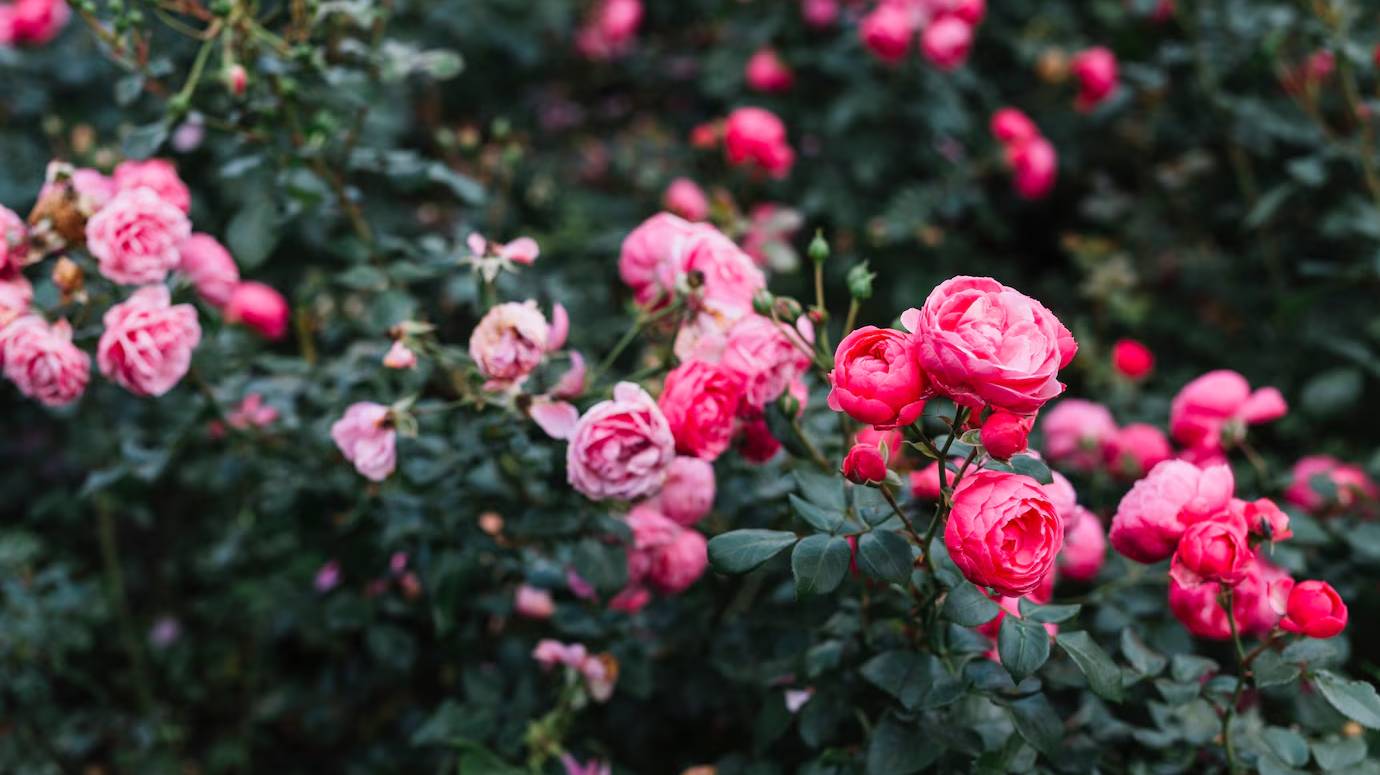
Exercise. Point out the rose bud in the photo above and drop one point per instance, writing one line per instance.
(685, 198)
(1035, 165)
(765, 72)
(1132, 359)
(887, 31)
(877, 379)
(819, 13)
(688, 492)
(1004, 434)
(1314, 609)
(1096, 71)
(864, 464)
(1011, 126)
(1212, 551)
(260, 307)
(946, 42)
(236, 79)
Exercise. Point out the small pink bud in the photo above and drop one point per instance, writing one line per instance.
(1132, 359)
(864, 464)
(1004, 434)
(237, 79)
(260, 307)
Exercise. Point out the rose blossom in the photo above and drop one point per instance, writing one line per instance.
(770, 230)
(135, 238)
(1212, 550)
(766, 357)
(730, 277)
(14, 241)
(259, 307)
(1256, 598)
(971, 11)
(688, 492)
(924, 484)
(1085, 547)
(1216, 408)
(1076, 432)
(1131, 359)
(609, 30)
(1154, 514)
(157, 174)
(1349, 481)
(1198, 610)
(700, 401)
(16, 297)
(148, 342)
(533, 602)
(1004, 434)
(887, 31)
(630, 599)
(892, 440)
(509, 342)
(663, 553)
(756, 136)
(819, 13)
(1096, 71)
(765, 72)
(620, 448)
(1034, 165)
(864, 465)
(1011, 126)
(32, 22)
(685, 198)
(656, 241)
(1314, 609)
(982, 343)
(1063, 497)
(366, 437)
(756, 443)
(42, 362)
(877, 379)
(210, 267)
(1003, 532)
(1135, 449)
(946, 42)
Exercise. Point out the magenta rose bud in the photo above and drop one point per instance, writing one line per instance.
(982, 343)
(366, 437)
(135, 238)
(1096, 71)
(765, 72)
(1261, 517)
(685, 198)
(147, 344)
(700, 401)
(1212, 551)
(1004, 434)
(1132, 360)
(259, 307)
(877, 379)
(1198, 610)
(510, 341)
(42, 362)
(210, 267)
(1314, 609)
(688, 492)
(1003, 532)
(946, 42)
(1013, 127)
(1153, 516)
(620, 448)
(159, 175)
(887, 31)
(756, 443)
(864, 464)
(819, 13)
(1034, 165)
(756, 136)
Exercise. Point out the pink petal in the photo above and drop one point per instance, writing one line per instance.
(557, 418)
(523, 250)
(560, 328)
(1264, 405)
(476, 243)
(572, 383)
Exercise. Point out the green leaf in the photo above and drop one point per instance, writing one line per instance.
(919, 681)
(252, 233)
(1270, 669)
(945, 570)
(739, 551)
(1023, 646)
(604, 566)
(817, 517)
(969, 606)
(1032, 467)
(1189, 667)
(1104, 677)
(1036, 720)
(1143, 659)
(1288, 745)
(896, 748)
(822, 489)
(144, 141)
(819, 564)
(870, 505)
(1046, 614)
(1354, 699)
(475, 758)
(1339, 754)
(886, 555)
(1332, 392)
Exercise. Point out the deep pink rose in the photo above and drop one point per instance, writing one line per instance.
(877, 379)
(1077, 432)
(887, 31)
(1213, 410)
(14, 241)
(509, 342)
(685, 198)
(1199, 611)
(366, 437)
(1011, 126)
(1154, 514)
(609, 30)
(765, 72)
(1260, 517)
(1350, 482)
(864, 464)
(210, 268)
(260, 307)
(819, 13)
(1314, 609)
(42, 362)
(890, 439)
(1136, 449)
(147, 344)
(1131, 359)
(755, 136)
(157, 174)
(1004, 434)
(755, 442)
(1003, 532)
(700, 401)
(1096, 71)
(688, 492)
(1213, 550)
(1034, 165)
(982, 343)
(924, 484)
(1259, 599)
(1085, 547)
(971, 11)
(620, 448)
(946, 42)
(135, 238)
(730, 277)
(766, 356)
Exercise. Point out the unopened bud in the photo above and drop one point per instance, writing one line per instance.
(762, 302)
(67, 276)
(860, 281)
(236, 79)
(787, 308)
(819, 248)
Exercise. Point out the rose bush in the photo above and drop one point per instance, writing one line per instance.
(607, 386)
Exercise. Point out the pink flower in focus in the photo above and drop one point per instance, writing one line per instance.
(1003, 532)
(1212, 551)
(1136, 449)
(1212, 411)
(259, 307)
(1004, 434)
(757, 137)
(1085, 547)
(135, 238)
(1261, 517)
(399, 356)
(688, 492)
(946, 42)
(1077, 432)
(509, 342)
(1154, 514)
(1320, 481)
(147, 344)
(160, 175)
(886, 32)
(210, 267)
(1198, 610)
(42, 362)
(366, 437)
(685, 198)
(765, 72)
(621, 448)
(14, 242)
(864, 465)
(877, 379)
(1314, 609)
(1096, 71)
(700, 401)
(533, 602)
(1132, 360)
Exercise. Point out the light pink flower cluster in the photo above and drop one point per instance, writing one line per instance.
(136, 237)
(664, 555)
(1032, 159)
(946, 29)
(1211, 413)
(600, 671)
(42, 362)
(1320, 483)
(32, 22)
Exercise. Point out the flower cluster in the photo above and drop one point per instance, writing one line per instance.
(1033, 162)
(946, 29)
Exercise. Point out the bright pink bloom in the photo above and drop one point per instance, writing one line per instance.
(1077, 432)
(1034, 165)
(14, 241)
(366, 437)
(1314, 609)
(16, 297)
(1004, 434)
(609, 30)
(592, 767)
(550, 653)
(327, 577)
(1198, 610)
(766, 357)
(630, 599)
(1212, 411)
(135, 238)
(664, 554)
(32, 22)
(399, 356)
(892, 439)
(765, 72)
(1259, 599)
(1096, 71)
(1136, 449)
(652, 251)
(756, 136)
(1003, 532)
(946, 42)
(1085, 547)
(685, 198)
(260, 307)
(730, 277)
(864, 465)
(1212, 550)
(1132, 359)
(157, 174)
(688, 493)
(1350, 483)
(533, 602)
(971, 11)
(887, 31)
(210, 267)
(1154, 514)
(1063, 497)
(1013, 127)
(877, 379)
(982, 343)
(509, 342)
(42, 362)
(148, 342)
(700, 401)
(621, 448)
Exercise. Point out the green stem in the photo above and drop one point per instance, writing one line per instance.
(119, 603)
(630, 335)
(184, 95)
(852, 319)
(1225, 601)
(896, 507)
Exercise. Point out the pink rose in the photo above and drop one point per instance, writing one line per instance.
(1131, 359)
(1212, 551)
(1077, 432)
(14, 241)
(1035, 165)
(877, 379)
(819, 13)
(157, 174)
(210, 268)
(891, 439)
(551, 653)
(1003, 532)
(1136, 449)
(700, 401)
(509, 342)
(609, 30)
(1260, 517)
(1154, 514)
(688, 492)
(864, 465)
(259, 307)
(33, 22)
(1257, 600)
(757, 137)
(1349, 481)
(663, 553)
(630, 599)
(42, 362)
(657, 243)
(946, 42)
(685, 198)
(924, 484)
(1198, 611)
(366, 437)
(1063, 497)
(1315, 610)
(1004, 434)
(765, 72)
(1213, 410)
(1096, 71)
(982, 343)
(620, 448)
(147, 344)
(1085, 547)
(533, 602)
(730, 277)
(971, 11)
(766, 357)
(771, 228)
(755, 443)
(887, 31)
(135, 238)
(1013, 127)
(252, 413)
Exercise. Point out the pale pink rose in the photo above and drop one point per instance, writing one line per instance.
(770, 231)
(688, 492)
(550, 653)
(766, 356)
(685, 198)
(135, 238)
(16, 297)
(1096, 71)
(664, 554)
(765, 72)
(982, 343)
(147, 344)
(157, 174)
(557, 418)
(1003, 532)
(700, 402)
(946, 42)
(1077, 432)
(877, 378)
(1135, 449)
(1350, 482)
(757, 137)
(509, 342)
(259, 307)
(1013, 127)
(620, 448)
(655, 244)
(630, 599)
(651, 531)
(1212, 411)
(366, 437)
(1034, 165)
(42, 362)
(730, 277)
(819, 13)
(94, 190)
(399, 356)
(14, 241)
(210, 267)
(887, 31)
(533, 602)
(1154, 514)
(1085, 547)
(609, 30)
(33, 22)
